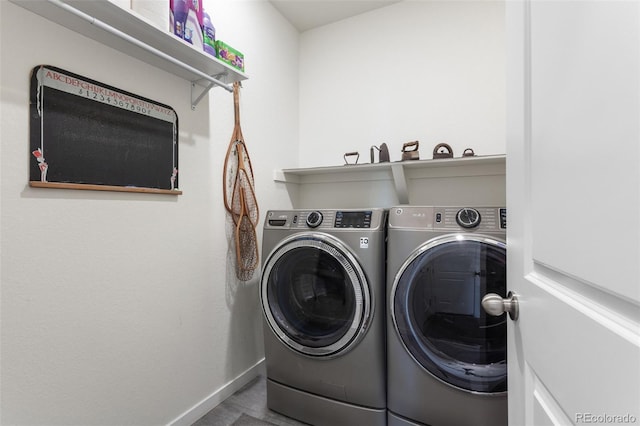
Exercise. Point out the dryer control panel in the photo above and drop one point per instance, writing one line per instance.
(470, 219)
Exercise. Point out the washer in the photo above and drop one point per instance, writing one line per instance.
(322, 292)
(446, 358)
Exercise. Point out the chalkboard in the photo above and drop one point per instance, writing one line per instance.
(88, 135)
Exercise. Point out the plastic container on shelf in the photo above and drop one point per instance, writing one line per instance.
(179, 12)
(209, 35)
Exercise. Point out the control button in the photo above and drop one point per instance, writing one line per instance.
(277, 222)
(438, 217)
(468, 217)
(314, 219)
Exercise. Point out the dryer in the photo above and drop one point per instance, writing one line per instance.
(446, 358)
(322, 292)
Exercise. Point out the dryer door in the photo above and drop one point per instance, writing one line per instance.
(436, 310)
(315, 295)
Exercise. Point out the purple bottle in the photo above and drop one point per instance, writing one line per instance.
(209, 35)
(180, 12)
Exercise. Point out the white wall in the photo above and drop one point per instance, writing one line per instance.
(431, 71)
(120, 308)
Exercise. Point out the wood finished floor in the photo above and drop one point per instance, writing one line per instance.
(251, 400)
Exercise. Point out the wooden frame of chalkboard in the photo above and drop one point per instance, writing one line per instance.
(88, 135)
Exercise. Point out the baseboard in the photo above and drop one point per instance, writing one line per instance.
(203, 407)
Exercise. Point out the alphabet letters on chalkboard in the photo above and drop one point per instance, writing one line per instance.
(88, 135)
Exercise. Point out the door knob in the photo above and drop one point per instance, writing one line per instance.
(495, 305)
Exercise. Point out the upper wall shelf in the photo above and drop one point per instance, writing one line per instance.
(399, 172)
(132, 34)
(337, 173)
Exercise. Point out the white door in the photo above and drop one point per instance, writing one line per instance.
(573, 197)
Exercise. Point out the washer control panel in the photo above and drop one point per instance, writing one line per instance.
(327, 219)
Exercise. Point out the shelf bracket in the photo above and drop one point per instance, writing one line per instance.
(400, 182)
(208, 85)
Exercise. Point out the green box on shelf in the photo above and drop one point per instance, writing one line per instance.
(229, 55)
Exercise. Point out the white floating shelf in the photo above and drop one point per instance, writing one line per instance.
(398, 172)
(339, 172)
(134, 35)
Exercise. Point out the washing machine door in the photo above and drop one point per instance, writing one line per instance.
(315, 295)
(436, 308)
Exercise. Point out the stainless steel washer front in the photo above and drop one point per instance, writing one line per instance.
(315, 296)
(322, 293)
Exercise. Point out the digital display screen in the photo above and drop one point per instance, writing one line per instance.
(353, 219)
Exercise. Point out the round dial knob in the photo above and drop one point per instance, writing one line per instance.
(314, 219)
(468, 218)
